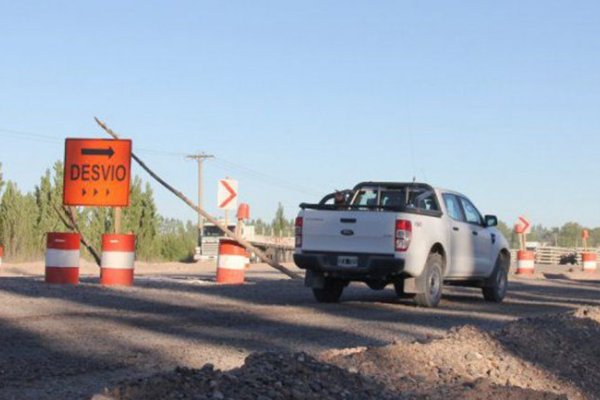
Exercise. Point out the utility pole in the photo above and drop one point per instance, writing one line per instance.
(200, 157)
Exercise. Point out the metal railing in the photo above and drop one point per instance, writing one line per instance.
(553, 255)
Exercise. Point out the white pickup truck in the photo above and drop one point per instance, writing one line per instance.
(411, 235)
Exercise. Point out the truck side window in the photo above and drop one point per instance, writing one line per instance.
(426, 201)
(454, 210)
(366, 197)
(471, 214)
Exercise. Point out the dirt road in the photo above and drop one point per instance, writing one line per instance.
(70, 342)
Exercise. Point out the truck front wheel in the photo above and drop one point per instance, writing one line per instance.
(431, 282)
(330, 292)
(495, 287)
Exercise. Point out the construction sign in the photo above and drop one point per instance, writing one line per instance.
(97, 172)
(227, 194)
(523, 225)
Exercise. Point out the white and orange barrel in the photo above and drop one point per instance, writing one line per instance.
(243, 212)
(525, 262)
(589, 260)
(231, 262)
(62, 258)
(117, 262)
(1, 254)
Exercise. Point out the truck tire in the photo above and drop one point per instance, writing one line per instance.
(495, 286)
(431, 282)
(331, 291)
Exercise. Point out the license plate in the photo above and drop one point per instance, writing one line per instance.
(347, 261)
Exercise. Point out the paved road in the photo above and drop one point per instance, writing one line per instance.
(70, 342)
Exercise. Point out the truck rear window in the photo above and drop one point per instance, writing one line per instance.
(404, 197)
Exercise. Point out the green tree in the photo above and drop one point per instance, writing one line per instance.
(94, 222)
(261, 227)
(594, 237)
(508, 233)
(1, 179)
(1, 186)
(541, 234)
(176, 240)
(47, 205)
(280, 225)
(18, 224)
(570, 235)
(141, 219)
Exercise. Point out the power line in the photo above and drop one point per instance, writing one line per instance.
(266, 178)
(224, 164)
(56, 139)
(30, 135)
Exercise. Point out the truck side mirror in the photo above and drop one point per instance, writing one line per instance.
(491, 220)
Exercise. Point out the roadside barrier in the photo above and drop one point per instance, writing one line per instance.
(62, 258)
(589, 261)
(231, 262)
(117, 261)
(525, 262)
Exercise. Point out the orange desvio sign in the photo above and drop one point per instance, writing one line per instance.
(97, 172)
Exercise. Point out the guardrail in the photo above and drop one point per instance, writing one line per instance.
(552, 255)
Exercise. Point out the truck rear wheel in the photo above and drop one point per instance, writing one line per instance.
(497, 284)
(331, 291)
(431, 282)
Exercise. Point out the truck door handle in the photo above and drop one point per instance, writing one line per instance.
(456, 228)
(348, 220)
(475, 233)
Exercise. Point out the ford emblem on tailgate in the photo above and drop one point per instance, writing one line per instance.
(347, 232)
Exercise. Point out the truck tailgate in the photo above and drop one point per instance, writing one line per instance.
(349, 231)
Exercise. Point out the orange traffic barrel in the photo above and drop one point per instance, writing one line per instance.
(589, 261)
(525, 262)
(117, 261)
(231, 262)
(1, 254)
(62, 258)
(243, 212)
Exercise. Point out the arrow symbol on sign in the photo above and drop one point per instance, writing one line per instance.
(83, 192)
(525, 223)
(98, 152)
(95, 192)
(232, 194)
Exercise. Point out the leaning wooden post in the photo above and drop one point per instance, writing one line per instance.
(71, 224)
(259, 253)
(118, 216)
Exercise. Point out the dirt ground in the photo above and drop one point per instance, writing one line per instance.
(76, 341)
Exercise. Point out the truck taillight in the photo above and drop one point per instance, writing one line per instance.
(299, 224)
(403, 234)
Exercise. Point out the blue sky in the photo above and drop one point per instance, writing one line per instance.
(499, 100)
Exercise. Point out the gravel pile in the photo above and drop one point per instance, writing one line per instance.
(264, 376)
(556, 354)
(547, 357)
